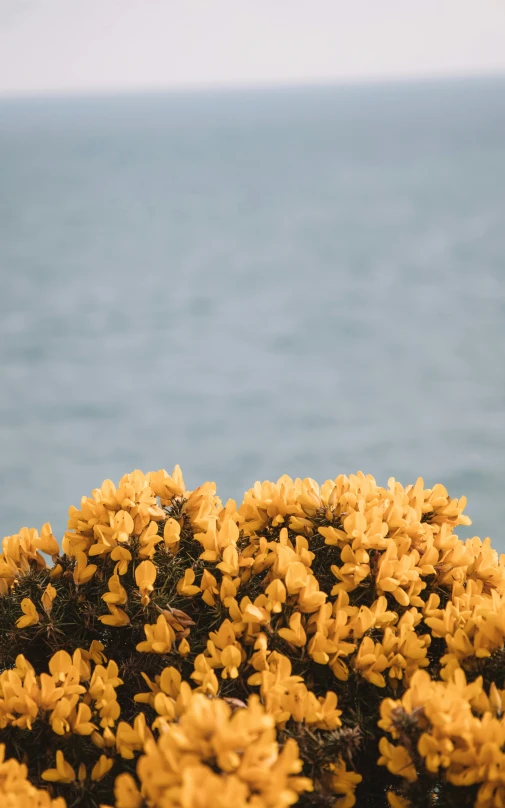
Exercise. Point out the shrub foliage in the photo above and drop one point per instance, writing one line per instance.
(329, 646)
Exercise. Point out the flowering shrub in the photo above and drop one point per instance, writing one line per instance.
(330, 646)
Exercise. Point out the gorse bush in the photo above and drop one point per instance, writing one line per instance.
(329, 646)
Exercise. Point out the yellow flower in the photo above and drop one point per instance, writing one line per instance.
(47, 543)
(436, 752)
(122, 555)
(63, 773)
(229, 564)
(323, 711)
(83, 572)
(171, 682)
(80, 723)
(171, 533)
(107, 740)
(230, 659)
(47, 598)
(117, 617)
(132, 739)
(108, 706)
(59, 718)
(276, 594)
(101, 767)
(185, 585)
(159, 637)
(397, 760)
(95, 652)
(117, 592)
(228, 589)
(295, 634)
(296, 577)
(310, 598)
(167, 487)
(126, 792)
(145, 576)
(343, 782)
(31, 616)
(118, 530)
(209, 587)
(184, 647)
(50, 692)
(371, 661)
(56, 572)
(60, 665)
(148, 540)
(205, 676)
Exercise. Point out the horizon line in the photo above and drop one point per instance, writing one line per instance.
(248, 85)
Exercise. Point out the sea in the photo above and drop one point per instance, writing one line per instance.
(252, 282)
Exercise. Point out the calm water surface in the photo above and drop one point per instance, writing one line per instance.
(250, 283)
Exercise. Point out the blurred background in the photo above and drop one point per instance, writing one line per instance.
(251, 239)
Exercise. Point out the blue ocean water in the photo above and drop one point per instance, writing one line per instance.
(248, 283)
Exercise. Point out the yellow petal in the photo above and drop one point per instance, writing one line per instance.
(101, 767)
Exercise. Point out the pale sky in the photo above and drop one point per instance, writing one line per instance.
(88, 45)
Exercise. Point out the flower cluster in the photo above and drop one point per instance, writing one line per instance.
(77, 698)
(16, 791)
(214, 756)
(454, 727)
(323, 645)
(21, 552)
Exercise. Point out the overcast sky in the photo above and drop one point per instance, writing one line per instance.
(81, 45)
